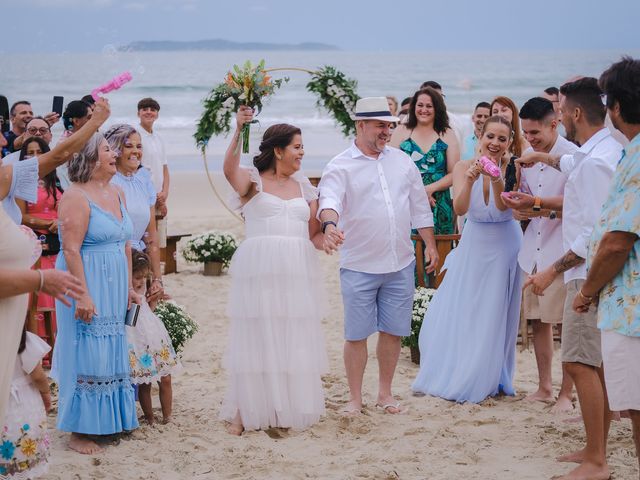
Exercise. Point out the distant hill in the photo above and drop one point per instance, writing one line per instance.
(219, 44)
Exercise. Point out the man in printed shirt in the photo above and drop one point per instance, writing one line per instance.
(589, 170)
(614, 252)
(540, 203)
(374, 194)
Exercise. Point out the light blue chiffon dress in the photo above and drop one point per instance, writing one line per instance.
(141, 196)
(91, 361)
(468, 337)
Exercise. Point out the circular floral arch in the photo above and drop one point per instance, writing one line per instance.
(251, 84)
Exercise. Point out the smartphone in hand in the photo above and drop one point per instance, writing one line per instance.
(57, 105)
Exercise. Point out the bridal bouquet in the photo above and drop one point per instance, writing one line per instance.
(180, 326)
(247, 85)
(421, 300)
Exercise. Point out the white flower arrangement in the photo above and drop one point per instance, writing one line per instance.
(213, 246)
(180, 326)
(421, 300)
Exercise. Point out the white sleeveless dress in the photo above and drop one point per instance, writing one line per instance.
(276, 353)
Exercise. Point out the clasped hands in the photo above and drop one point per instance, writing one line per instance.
(333, 238)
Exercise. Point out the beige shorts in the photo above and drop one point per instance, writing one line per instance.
(548, 308)
(580, 333)
(621, 357)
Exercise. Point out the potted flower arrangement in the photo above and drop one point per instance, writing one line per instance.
(180, 326)
(214, 249)
(421, 299)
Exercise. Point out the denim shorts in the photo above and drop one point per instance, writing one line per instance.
(377, 302)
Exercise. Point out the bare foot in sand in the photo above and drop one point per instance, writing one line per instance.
(573, 457)
(166, 420)
(540, 396)
(563, 405)
(235, 429)
(576, 419)
(587, 471)
(82, 444)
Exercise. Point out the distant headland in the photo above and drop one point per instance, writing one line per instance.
(219, 44)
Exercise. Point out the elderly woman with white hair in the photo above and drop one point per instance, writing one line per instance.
(135, 182)
(91, 360)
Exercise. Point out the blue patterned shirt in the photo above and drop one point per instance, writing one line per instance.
(619, 308)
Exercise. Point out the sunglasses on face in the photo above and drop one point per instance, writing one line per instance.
(34, 130)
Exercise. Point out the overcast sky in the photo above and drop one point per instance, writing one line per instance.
(391, 25)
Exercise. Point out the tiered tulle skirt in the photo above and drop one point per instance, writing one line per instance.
(276, 353)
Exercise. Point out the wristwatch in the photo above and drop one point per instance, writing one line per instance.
(327, 223)
(553, 215)
(537, 204)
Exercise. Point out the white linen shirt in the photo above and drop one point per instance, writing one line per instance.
(542, 242)
(154, 157)
(378, 202)
(589, 171)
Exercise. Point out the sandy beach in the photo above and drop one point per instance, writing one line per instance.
(435, 439)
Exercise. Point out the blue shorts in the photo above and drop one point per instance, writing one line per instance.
(377, 302)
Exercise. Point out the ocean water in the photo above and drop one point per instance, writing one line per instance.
(180, 80)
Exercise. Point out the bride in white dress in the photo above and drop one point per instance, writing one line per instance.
(276, 353)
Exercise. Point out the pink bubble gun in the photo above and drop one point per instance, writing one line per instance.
(489, 167)
(114, 84)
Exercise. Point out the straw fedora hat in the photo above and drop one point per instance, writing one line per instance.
(373, 108)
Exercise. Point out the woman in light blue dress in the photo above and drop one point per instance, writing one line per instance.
(91, 362)
(151, 356)
(468, 337)
(135, 182)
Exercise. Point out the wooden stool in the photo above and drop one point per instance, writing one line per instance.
(444, 245)
(168, 254)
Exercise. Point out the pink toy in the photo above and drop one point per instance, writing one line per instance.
(489, 167)
(114, 84)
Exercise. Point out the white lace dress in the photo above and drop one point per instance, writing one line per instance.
(276, 353)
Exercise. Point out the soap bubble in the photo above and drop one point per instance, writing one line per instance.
(110, 51)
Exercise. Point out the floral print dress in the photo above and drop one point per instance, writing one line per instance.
(24, 443)
(433, 166)
(151, 354)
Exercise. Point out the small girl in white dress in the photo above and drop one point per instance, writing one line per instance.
(151, 354)
(24, 443)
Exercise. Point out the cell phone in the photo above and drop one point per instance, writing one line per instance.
(4, 114)
(132, 315)
(57, 105)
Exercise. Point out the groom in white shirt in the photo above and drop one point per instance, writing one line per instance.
(371, 195)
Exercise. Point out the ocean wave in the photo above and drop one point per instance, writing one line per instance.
(184, 122)
(170, 88)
